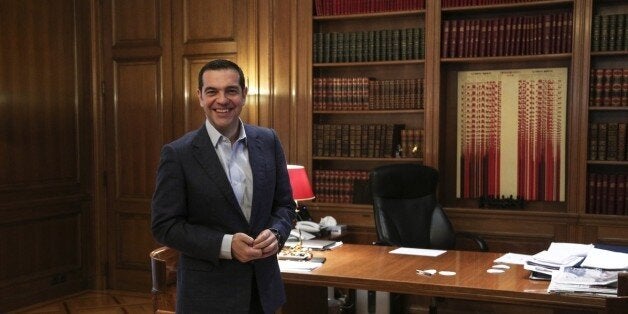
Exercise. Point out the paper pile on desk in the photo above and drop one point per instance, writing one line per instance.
(556, 256)
(584, 280)
(302, 266)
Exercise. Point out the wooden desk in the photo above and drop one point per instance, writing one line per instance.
(371, 267)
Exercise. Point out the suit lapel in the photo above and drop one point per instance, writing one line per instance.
(258, 168)
(206, 156)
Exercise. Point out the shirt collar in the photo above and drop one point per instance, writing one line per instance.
(215, 136)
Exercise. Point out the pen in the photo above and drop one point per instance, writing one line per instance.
(423, 272)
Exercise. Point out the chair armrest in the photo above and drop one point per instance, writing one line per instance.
(481, 243)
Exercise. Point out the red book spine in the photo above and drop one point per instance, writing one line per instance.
(616, 85)
(612, 193)
(547, 33)
(445, 39)
(606, 91)
(603, 194)
(460, 34)
(453, 39)
(483, 35)
(591, 195)
(624, 86)
(620, 207)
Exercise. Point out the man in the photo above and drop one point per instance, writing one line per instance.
(223, 199)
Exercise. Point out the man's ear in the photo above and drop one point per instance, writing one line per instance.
(200, 97)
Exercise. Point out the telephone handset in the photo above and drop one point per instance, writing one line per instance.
(308, 226)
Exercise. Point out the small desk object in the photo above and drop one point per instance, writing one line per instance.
(370, 267)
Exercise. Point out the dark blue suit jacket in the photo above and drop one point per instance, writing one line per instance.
(194, 206)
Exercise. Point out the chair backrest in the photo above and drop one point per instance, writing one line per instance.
(406, 209)
(163, 262)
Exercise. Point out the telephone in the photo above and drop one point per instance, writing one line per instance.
(308, 226)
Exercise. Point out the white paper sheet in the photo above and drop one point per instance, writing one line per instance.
(418, 252)
(513, 258)
(604, 259)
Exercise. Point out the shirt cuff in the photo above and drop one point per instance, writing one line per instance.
(225, 248)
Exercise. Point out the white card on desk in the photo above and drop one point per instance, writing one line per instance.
(418, 252)
(513, 258)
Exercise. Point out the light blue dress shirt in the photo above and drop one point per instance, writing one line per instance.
(234, 158)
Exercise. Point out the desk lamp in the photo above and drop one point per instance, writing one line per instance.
(301, 188)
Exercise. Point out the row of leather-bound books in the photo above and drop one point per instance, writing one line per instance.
(343, 7)
(607, 141)
(367, 141)
(371, 45)
(363, 93)
(608, 87)
(507, 36)
(342, 186)
(608, 32)
(606, 193)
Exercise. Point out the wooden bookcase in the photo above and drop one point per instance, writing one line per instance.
(539, 223)
(607, 101)
(602, 220)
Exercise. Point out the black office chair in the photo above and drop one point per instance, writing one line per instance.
(406, 210)
(408, 214)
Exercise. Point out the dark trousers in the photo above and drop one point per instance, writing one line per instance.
(256, 305)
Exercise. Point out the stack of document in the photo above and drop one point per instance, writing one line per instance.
(556, 256)
(299, 266)
(584, 280)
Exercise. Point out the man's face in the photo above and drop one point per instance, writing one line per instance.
(222, 100)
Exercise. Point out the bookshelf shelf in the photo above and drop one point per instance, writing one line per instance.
(368, 64)
(605, 108)
(622, 53)
(370, 159)
(608, 162)
(369, 16)
(507, 6)
(366, 112)
(506, 59)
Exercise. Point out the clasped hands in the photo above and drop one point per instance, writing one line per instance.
(245, 249)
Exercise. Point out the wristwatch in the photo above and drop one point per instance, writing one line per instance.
(279, 238)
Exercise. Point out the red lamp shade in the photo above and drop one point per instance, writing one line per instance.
(301, 188)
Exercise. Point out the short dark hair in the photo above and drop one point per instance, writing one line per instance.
(220, 64)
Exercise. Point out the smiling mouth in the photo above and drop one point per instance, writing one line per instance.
(222, 110)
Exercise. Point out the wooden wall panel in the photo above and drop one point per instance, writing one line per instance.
(38, 126)
(44, 152)
(511, 232)
(209, 21)
(136, 22)
(137, 115)
(596, 230)
(133, 238)
(55, 248)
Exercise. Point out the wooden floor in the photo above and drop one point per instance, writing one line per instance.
(95, 302)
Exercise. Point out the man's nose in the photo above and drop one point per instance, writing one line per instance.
(221, 97)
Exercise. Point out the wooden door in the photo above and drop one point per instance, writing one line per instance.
(137, 74)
